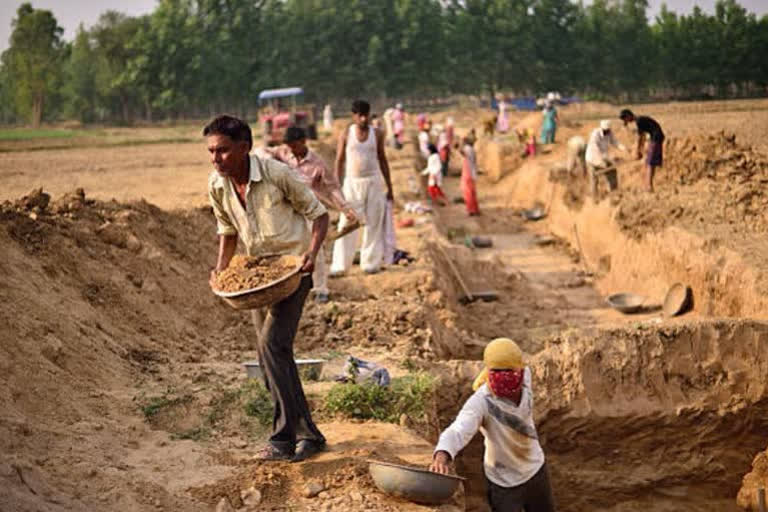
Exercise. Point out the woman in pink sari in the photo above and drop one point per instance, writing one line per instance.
(469, 174)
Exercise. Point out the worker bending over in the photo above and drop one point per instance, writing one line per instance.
(502, 409)
(598, 154)
(654, 156)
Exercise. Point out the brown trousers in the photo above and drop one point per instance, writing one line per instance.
(292, 420)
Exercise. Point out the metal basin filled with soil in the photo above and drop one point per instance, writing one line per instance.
(273, 286)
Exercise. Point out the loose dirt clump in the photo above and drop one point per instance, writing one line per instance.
(248, 272)
(706, 180)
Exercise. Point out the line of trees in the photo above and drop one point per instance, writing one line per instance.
(191, 58)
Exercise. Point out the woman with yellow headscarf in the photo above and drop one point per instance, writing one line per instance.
(502, 409)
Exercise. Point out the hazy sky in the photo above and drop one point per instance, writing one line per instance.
(70, 13)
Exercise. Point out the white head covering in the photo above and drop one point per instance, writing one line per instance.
(449, 121)
(605, 125)
(399, 106)
(551, 96)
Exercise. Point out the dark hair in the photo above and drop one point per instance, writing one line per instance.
(626, 113)
(361, 107)
(294, 133)
(432, 148)
(234, 128)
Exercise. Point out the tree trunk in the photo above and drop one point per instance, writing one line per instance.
(37, 111)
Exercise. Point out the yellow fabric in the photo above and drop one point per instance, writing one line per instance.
(278, 205)
(499, 354)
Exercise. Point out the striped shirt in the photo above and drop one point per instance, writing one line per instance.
(512, 451)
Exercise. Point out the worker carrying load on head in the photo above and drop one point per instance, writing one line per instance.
(502, 409)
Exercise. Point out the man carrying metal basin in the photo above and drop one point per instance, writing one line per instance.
(266, 204)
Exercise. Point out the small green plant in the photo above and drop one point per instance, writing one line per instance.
(258, 402)
(194, 434)
(221, 405)
(152, 406)
(409, 364)
(408, 395)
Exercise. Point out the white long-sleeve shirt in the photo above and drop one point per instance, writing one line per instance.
(513, 454)
(434, 170)
(598, 147)
(424, 143)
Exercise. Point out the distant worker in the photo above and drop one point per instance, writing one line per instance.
(598, 155)
(502, 409)
(362, 167)
(265, 204)
(502, 119)
(549, 122)
(434, 173)
(379, 125)
(398, 125)
(576, 148)
(323, 182)
(389, 127)
(424, 139)
(328, 118)
(444, 143)
(654, 157)
(469, 174)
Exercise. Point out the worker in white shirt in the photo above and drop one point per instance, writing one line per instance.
(576, 149)
(502, 409)
(434, 171)
(598, 155)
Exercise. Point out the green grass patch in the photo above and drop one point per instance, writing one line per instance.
(153, 405)
(408, 395)
(36, 133)
(194, 434)
(257, 402)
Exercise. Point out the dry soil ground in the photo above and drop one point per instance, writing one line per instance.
(122, 378)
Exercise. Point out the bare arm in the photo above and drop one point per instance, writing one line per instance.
(341, 155)
(227, 246)
(640, 140)
(383, 164)
(319, 230)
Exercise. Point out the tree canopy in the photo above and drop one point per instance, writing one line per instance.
(192, 58)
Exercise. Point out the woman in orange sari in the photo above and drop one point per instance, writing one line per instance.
(469, 175)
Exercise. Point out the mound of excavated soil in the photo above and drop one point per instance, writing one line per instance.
(96, 296)
(706, 180)
(246, 272)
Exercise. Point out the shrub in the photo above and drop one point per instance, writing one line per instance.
(406, 395)
(258, 402)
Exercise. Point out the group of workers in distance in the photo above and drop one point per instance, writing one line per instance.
(276, 201)
(594, 155)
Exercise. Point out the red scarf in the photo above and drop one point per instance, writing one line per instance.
(506, 383)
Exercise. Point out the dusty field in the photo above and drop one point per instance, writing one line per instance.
(122, 379)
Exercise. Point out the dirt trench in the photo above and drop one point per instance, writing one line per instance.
(634, 413)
